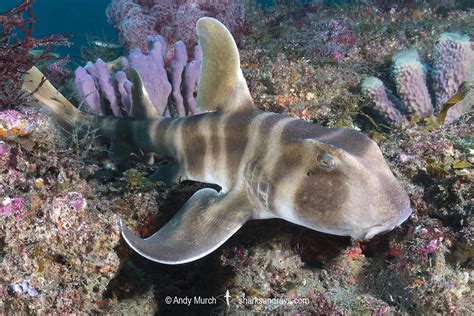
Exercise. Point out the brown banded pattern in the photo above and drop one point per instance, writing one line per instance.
(266, 163)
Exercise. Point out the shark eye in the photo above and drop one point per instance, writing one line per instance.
(326, 162)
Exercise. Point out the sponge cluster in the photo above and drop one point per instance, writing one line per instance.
(453, 64)
(169, 80)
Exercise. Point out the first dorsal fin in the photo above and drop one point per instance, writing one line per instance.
(222, 85)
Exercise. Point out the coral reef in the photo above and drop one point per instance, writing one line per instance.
(13, 124)
(103, 87)
(405, 271)
(175, 20)
(55, 244)
(451, 67)
(16, 43)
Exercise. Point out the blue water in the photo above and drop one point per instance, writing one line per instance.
(76, 17)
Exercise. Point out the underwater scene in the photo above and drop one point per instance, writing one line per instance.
(230, 157)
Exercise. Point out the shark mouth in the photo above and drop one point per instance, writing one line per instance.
(385, 228)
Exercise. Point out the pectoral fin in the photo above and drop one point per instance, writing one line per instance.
(204, 223)
(169, 174)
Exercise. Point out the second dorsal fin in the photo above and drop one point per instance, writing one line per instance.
(222, 85)
(142, 107)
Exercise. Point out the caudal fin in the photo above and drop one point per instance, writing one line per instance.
(52, 100)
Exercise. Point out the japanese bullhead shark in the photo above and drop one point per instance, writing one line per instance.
(333, 180)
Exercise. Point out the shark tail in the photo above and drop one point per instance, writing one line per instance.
(65, 113)
(70, 118)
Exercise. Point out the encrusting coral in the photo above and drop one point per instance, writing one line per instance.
(452, 66)
(105, 86)
(55, 246)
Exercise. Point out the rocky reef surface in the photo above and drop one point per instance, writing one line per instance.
(61, 198)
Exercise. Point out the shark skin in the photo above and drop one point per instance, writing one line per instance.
(333, 180)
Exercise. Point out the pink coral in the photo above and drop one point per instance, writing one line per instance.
(336, 38)
(132, 23)
(57, 72)
(13, 124)
(76, 201)
(432, 246)
(14, 206)
(175, 20)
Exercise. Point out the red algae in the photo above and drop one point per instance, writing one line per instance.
(15, 51)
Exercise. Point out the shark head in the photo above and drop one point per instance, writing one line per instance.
(342, 185)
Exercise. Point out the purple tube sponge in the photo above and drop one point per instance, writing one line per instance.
(87, 90)
(176, 73)
(125, 89)
(191, 78)
(100, 88)
(382, 98)
(100, 72)
(151, 68)
(410, 79)
(451, 67)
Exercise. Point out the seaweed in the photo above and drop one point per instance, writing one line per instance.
(16, 45)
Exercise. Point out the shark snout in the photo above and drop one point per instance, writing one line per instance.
(378, 229)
